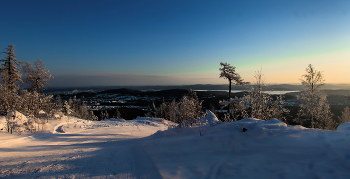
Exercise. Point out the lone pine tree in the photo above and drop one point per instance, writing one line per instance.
(229, 72)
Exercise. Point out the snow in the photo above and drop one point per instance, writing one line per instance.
(209, 118)
(153, 148)
(344, 127)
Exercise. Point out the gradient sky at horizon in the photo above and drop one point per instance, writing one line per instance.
(111, 42)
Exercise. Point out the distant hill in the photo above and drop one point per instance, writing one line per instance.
(279, 87)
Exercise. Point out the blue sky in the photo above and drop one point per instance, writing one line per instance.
(85, 43)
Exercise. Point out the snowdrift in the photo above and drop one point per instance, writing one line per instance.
(267, 149)
(152, 148)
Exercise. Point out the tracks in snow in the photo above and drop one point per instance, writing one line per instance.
(120, 159)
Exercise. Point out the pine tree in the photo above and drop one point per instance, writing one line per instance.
(9, 73)
(229, 72)
(314, 105)
(36, 77)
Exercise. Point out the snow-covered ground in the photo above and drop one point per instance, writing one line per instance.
(146, 148)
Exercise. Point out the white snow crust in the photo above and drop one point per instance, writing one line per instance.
(146, 148)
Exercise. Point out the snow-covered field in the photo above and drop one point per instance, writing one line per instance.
(146, 148)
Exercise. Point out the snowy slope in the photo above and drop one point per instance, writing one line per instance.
(269, 149)
(145, 148)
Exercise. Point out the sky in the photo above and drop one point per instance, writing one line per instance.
(178, 42)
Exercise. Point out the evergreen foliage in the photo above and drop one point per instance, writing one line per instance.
(9, 73)
(229, 72)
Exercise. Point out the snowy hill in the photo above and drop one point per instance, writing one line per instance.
(146, 148)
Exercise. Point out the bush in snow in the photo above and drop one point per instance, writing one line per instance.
(76, 108)
(117, 114)
(256, 104)
(345, 116)
(104, 114)
(17, 122)
(30, 103)
(186, 112)
(8, 100)
(151, 110)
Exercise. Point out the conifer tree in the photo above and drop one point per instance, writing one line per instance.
(229, 72)
(9, 73)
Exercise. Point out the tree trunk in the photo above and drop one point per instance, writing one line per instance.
(229, 97)
(229, 90)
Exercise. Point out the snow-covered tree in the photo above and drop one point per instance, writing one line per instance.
(9, 73)
(32, 102)
(256, 104)
(162, 111)
(263, 106)
(117, 114)
(36, 77)
(151, 110)
(185, 112)
(8, 100)
(314, 105)
(67, 108)
(345, 116)
(104, 114)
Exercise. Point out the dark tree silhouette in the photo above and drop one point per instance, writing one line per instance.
(229, 72)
